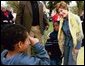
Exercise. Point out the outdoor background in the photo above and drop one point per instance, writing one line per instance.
(75, 6)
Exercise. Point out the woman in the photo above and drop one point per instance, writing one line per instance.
(70, 34)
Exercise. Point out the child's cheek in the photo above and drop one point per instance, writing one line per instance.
(58, 27)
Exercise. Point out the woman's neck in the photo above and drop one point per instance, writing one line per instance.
(66, 16)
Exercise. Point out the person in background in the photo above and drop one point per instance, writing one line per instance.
(10, 10)
(52, 45)
(6, 17)
(30, 14)
(55, 17)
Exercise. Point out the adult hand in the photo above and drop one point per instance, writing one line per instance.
(76, 51)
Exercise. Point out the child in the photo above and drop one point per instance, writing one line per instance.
(52, 46)
(16, 40)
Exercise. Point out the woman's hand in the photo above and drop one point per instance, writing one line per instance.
(76, 51)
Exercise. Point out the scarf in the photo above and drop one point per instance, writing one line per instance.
(75, 29)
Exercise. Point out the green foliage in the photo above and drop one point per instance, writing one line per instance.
(13, 4)
(80, 5)
(74, 9)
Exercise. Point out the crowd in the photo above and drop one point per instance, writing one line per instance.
(22, 39)
(6, 16)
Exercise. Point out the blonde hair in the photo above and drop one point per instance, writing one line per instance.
(62, 5)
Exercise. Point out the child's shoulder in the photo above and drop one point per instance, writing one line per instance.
(53, 33)
(4, 52)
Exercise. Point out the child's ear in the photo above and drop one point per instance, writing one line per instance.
(20, 44)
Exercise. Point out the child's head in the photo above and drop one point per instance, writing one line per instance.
(56, 26)
(15, 37)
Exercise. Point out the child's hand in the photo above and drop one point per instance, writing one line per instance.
(33, 40)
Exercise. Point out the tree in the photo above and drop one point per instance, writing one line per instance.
(14, 5)
(80, 5)
(74, 9)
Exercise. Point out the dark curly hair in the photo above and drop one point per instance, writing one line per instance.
(12, 34)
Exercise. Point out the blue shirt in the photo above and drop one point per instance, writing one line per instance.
(66, 30)
(68, 37)
(41, 58)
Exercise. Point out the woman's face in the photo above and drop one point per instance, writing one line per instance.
(62, 12)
